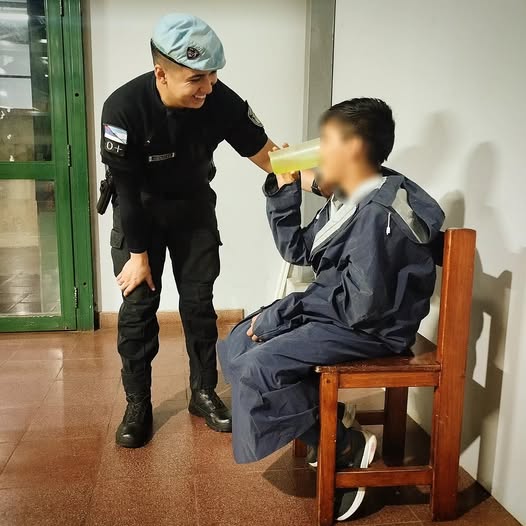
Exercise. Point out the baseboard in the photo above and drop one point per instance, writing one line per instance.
(108, 320)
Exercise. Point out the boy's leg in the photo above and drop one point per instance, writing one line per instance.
(235, 344)
(275, 391)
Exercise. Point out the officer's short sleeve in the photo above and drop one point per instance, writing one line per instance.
(245, 132)
(119, 139)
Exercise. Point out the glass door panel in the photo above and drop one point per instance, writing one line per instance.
(25, 120)
(36, 246)
(29, 281)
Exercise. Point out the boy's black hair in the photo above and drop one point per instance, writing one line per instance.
(370, 119)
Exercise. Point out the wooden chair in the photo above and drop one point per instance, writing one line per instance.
(441, 366)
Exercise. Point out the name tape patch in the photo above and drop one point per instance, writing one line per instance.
(161, 157)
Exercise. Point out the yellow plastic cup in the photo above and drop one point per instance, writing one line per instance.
(297, 157)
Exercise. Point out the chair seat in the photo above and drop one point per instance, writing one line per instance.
(424, 359)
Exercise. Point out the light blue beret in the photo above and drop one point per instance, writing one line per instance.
(189, 41)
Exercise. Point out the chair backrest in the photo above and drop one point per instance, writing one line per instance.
(456, 296)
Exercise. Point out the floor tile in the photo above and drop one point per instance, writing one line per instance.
(170, 366)
(90, 367)
(172, 416)
(381, 506)
(384, 506)
(14, 422)
(45, 505)
(471, 497)
(62, 461)
(213, 452)
(35, 346)
(250, 498)
(6, 449)
(6, 351)
(98, 344)
(44, 352)
(82, 391)
(69, 421)
(30, 370)
(21, 393)
(170, 345)
(61, 400)
(487, 512)
(167, 455)
(142, 501)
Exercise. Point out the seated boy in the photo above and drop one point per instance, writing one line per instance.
(374, 278)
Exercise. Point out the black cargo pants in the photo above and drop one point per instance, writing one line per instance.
(188, 229)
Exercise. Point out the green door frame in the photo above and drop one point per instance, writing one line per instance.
(79, 173)
(69, 169)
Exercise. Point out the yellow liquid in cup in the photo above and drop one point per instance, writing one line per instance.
(297, 157)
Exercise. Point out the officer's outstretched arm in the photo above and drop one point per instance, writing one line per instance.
(262, 159)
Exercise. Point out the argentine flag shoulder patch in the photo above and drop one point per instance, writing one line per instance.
(115, 139)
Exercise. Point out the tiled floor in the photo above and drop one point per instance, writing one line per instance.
(60, 401)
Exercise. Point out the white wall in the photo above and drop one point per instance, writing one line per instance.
(455, 75)
(265, 64)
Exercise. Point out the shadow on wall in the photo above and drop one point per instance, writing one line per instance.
(491, 294)
(424, 161)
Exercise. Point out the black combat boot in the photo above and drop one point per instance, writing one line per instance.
(207, 404)
(136, 427)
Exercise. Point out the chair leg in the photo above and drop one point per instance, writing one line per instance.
(327, 449)
(299, 448)
(445, 450)
(395, 417)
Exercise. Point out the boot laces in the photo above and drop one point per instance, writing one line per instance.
(214, 398)
(135, 411)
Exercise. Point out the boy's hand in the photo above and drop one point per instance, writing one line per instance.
(307, 180)
(250, 332)
(287, 178)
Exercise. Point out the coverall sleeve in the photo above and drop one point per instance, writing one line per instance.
(293, 241)
(357, 288)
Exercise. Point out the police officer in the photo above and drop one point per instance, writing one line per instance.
(159, 132)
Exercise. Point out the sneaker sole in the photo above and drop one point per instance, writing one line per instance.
(368, 457)
(348, 421)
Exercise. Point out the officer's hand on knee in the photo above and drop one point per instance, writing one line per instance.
(135, 271)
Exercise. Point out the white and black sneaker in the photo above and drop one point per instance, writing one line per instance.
(347, 415)
(362, 450)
